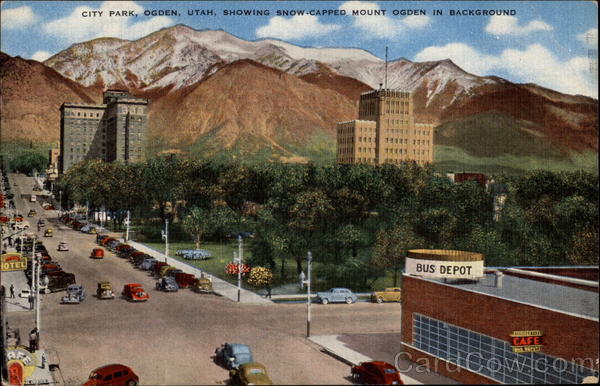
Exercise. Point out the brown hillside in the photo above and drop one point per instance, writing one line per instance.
(251, 102)
(327, 79)
(568, 121)
(31, 97)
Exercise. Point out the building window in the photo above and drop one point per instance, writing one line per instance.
(492, 357)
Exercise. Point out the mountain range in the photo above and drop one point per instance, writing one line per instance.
(212, 91)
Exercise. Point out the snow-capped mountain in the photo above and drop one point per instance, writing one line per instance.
(181, 56)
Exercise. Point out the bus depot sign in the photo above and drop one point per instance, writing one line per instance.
(526, 341)
(13, 262)
(444, 264)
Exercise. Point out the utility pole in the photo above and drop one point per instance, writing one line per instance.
(38, 298)
(60, 203)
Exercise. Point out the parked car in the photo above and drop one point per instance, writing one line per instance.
(167, 284)
(147, 263)
(184, 280)
(164, 270)
(138, 259)
(249, 374)
(135, 292)
(232, 355)
(63, 246)
(100, 238)
(376, 373)
(105, 291)
(113, 375)
(173, 272)
(97, 253)
(85, 228)
(202, 285)
(106, 240)
(157, 267)
(336, 295)
(387, 295)
(75, 294)
(111, 245)
(18, 217)
(60, 281)
(41, 223)
(32, 212)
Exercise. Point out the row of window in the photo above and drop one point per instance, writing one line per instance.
(492, 357)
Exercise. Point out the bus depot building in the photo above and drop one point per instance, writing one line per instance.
(505, 325)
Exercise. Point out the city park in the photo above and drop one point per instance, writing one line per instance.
(357, 220)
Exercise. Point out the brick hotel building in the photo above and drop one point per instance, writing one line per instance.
(112, 131)
(385, 131)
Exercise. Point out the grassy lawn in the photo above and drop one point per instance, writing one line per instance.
(223, 253)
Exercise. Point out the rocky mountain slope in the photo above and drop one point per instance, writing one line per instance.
(213, 85)
(31, 97)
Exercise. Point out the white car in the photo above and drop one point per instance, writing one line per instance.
(25, 293)
(63, 246)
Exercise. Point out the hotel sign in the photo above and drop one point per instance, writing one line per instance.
(526, 341)
(13, 262)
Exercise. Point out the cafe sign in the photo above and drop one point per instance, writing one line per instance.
(13, 262)
(526, 341)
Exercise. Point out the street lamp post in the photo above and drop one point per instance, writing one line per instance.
(165, 236)
(60, 203)
(308, 294)
(127, 231)
(239, 260)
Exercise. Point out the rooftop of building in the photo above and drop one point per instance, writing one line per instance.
(358, 120)
(387, 91)
(83, 105)
(557, 297)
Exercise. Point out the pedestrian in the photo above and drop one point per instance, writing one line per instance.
(12, 291)
(268, 291)
(10, 241)
(30, 302)
(32, 340)
(5, 245)
(44, 360)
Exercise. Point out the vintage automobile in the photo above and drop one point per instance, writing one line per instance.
(249, 374)
(232, 355)
(112, 375)
(157, 267)
(105, 291)
(147, 263)
(387, 295)
(63, 246)
(41, 223)
(18, 217)
(376, 373)
(167, 284)
(336, 295)
(111, 245)
(139, 259)
(85, 228)
(75, 294)
(173, 272)
(32, 212)
(48, 232)
(165, 270)
(203, 285)
(121, 247)
(100, 238)
(107, 240)
(97, 253)
(184, 280)
(135, 293)
(193, 254)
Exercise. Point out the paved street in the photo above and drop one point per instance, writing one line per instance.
(171, 338)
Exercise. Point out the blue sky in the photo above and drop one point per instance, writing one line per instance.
(551, 43)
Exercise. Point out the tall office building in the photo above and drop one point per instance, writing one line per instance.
(385, 131)
(112, 131)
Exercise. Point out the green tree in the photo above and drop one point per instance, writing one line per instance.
(391, 247)
(195, 223)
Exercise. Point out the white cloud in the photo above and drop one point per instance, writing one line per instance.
(380, 26)
(16, 18)
(76, 28)
(534, 64)
(509, 25)
(40, 56)
(296, 27)
(589, 38)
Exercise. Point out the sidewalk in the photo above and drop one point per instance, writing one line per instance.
(220, 286)
(339, 350)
